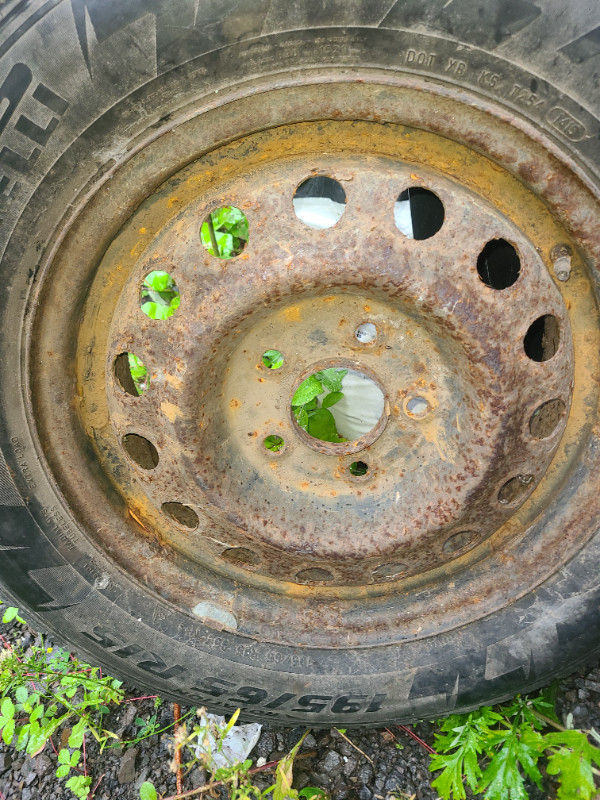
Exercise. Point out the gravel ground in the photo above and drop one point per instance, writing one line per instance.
(397, 765)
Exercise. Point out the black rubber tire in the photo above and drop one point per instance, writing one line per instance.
(82, 79)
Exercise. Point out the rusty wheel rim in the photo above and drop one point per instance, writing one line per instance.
(449, 495)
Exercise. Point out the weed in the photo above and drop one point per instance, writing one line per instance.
(312, 413)
(493, 749)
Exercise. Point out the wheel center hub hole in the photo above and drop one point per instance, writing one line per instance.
(339, 405)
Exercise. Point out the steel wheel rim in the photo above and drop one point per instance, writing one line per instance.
(363, 593)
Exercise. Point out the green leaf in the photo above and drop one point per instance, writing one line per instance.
(79, 785)
(8, 731)
(321, 425)
(307, 391)
(22, 737)
(458, 749)
(518, 748)
(311, 791)
(63, 770)
(21, 694)
(37, 712)
(147, 791)
(76, 737)
(75, 756)
(63, 756)
(7, 708)
(572, 762)
(331, 399)
(10, 614)
(332, 378)
(301, 416)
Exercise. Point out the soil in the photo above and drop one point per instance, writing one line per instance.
(393, 763)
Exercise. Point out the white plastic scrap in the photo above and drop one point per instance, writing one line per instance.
(236, 746)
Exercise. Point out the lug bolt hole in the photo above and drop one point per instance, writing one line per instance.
(358, 468)
(417, 407)
(366, 333)
(273, 443)
(272, 359)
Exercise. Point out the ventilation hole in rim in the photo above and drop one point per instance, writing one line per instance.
(319, 202)
(273, 443)
(159, 295)
(418, 213)
(183, 515)
(387, 572)
(273, 359)
(224, 232)
(314, 575)
(338, 405)
(459, 541)
(542, 339)
(499, 264)
(366, 333)
(358, 468)
(514, 489)
(241, 557)
(140, 450)
(131, 373)
(546, 418)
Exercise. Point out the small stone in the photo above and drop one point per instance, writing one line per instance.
(26, 794)
(127, 766)
(331, 763)
(349, 765)
(143, 776)
(5, 761)
(310, 742)
(197, 777)
(43, 765)
(30, 778)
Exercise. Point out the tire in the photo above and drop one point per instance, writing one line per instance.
(112, 112)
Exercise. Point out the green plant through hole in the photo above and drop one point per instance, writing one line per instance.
(224, 232)
(272, 359)
(358, 468)
(311, 411)
(139, 373)
(159, 296)
(273, 443)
